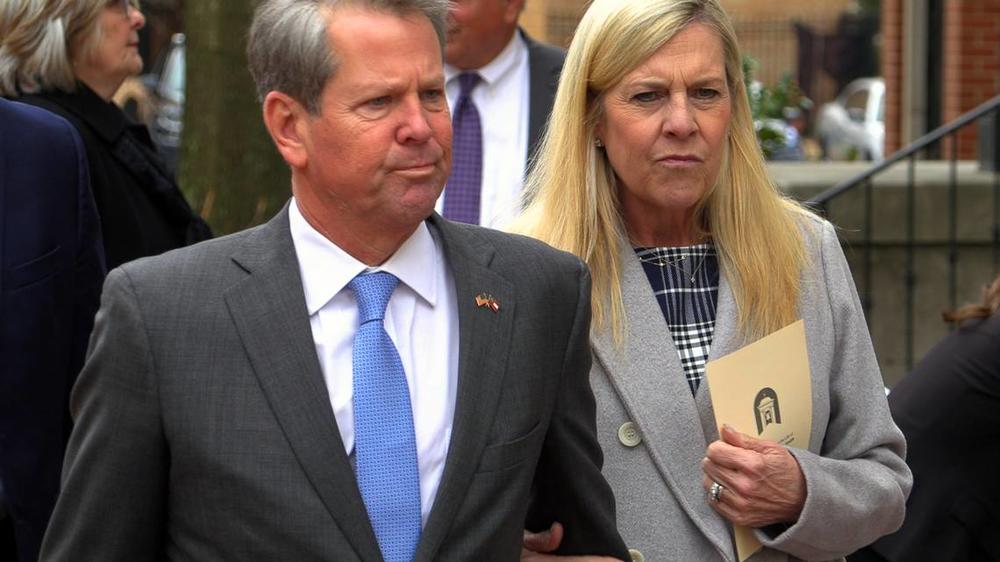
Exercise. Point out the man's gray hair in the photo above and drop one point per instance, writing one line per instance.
(288, 48)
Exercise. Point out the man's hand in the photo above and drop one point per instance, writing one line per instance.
(536, 545)
(763, 483)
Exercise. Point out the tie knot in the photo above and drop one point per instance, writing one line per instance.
(372, 292)
(466, 82)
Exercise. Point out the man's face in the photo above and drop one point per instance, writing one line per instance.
(478, 30)
(379, 152)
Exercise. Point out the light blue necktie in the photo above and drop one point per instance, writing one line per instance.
(384, 441)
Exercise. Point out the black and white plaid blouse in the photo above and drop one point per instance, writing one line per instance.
(688, 306)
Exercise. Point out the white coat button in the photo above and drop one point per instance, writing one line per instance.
(628, 434)
(636, 555)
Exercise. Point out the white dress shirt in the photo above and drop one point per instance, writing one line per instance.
(421, 319)
(502, 98)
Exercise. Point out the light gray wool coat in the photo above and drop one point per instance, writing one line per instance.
(856, 478)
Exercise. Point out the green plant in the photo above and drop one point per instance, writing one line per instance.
(770, 104)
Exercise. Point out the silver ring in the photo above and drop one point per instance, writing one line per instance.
(715, 491)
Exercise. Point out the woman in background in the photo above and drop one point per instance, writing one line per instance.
(651, 173)
(949, 411)
(69, 57)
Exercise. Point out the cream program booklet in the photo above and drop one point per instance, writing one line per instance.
(764, 390)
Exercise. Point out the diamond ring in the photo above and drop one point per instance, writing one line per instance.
(715, 491)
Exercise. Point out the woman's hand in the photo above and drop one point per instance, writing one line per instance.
(536, 545)
(762, 481)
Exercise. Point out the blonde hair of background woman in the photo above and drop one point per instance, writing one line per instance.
(41, 39)
(571, 195)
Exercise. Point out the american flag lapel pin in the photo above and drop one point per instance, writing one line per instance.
(486, 300)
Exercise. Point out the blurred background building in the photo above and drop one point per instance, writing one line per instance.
(938, 58)
(941, 58)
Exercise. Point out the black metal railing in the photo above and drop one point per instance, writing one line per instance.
(948, 137)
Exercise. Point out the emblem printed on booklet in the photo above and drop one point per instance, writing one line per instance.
(766, 409)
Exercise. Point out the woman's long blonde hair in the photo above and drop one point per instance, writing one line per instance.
(571, 196)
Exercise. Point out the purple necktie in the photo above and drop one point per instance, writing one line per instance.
(461, 196)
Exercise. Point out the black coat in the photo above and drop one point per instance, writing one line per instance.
(143, 213)
(949, 410)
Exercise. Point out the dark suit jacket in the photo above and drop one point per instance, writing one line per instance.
(544, 65)
(204, 429)
(949, 411)
(51, 268)
(142, 211)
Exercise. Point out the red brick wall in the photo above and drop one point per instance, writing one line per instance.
(892, 71)
(970, 60)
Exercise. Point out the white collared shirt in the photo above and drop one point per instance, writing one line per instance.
(421, 319)
(502, 98)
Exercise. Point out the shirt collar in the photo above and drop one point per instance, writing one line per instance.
(500, 65)
(326, 269)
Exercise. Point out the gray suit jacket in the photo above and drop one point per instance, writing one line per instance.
(855, 475)
(204, 429)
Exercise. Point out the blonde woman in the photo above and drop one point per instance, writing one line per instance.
(650, 172)
(69, 57)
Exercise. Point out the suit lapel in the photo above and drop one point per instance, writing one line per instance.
(484, 343)
(648, 377)
(543, 72)
(269, 310)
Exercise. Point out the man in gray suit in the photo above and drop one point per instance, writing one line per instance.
(232, 407)
(515, 85)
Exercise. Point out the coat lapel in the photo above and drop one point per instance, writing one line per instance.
(647, 375)
(484, 343)
(269, 310)
(725, 340)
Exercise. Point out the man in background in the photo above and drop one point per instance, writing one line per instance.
(51, 268)
(500, 86)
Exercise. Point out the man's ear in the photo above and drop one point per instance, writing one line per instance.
(286, 120)
(513, 11)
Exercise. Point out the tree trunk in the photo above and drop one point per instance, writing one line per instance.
(229, 169)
